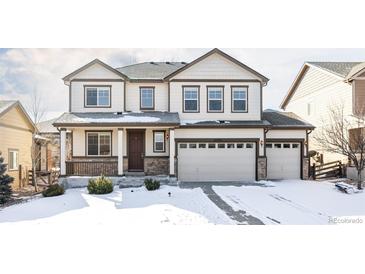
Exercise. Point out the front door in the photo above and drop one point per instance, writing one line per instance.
(135, 150)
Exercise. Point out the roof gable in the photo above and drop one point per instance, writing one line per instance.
(307, 75)
(223, 59)
(15, 107)
(89, 66)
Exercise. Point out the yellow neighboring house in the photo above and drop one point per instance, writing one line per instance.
(16, 129)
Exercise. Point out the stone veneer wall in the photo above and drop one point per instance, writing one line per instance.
(156, 165)
(305, 168)
(261, 168)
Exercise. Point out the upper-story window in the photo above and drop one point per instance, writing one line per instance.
(147, 98)
(97, 96)
(239, 99)
(215, 99)
(191, 99)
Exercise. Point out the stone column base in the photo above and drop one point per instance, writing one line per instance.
(305, 168)
(261, 168)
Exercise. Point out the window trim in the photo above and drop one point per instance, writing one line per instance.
(153, 98)
(99, 131)
(183, 99)
(232, 99)
(164, 141)
(215, 111)
(97, 86)
(17, 159)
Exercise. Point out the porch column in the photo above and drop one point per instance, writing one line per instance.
(172, 152)
(120, 151)
(63, 151)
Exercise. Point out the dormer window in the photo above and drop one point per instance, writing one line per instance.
(97, 96)
(147, 98)
(215, 99)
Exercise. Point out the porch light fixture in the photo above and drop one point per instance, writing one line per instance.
(261, 142)
(167, 135)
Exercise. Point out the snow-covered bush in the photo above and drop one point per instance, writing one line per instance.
(101, 185)
(151, 184)
(5, 181)
(53, 190)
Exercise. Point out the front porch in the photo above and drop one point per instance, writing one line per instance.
(117, 149)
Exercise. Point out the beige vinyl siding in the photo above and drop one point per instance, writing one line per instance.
(254, 103)
(224, 133)
(16, 133)
(359, 95)
(79, 141)
(215, 66)
(78, 98)
(96, 71)
(321, 91)
(133, 96)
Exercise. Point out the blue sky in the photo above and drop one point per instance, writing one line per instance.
(23, 70)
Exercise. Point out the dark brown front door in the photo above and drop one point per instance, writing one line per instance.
(135, 150)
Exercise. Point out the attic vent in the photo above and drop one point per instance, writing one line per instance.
(168, 63)
(184, 63)
(221, 121)
(152, 63)
(119, 113)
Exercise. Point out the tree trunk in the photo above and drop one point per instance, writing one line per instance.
(35, 179)
(359, 179)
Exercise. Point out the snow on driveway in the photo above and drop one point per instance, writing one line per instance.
(121, 207)
(293, 202)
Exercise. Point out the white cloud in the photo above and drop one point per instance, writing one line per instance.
(22, 70)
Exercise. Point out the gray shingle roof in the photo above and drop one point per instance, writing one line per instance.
(285, 119)
(150, 70)
(118, 119)
(47, 126)
(341, 69)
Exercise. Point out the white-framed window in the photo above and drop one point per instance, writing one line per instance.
(239, 99)
(97, 96)
(159, 141)
(215, 99)
(147, 97)
(98, 143)
(191, 99)
(13, 159)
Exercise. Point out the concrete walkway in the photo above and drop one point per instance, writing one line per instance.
(240, 216)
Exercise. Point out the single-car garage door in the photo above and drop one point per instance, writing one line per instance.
(216, 161)
(283, 160)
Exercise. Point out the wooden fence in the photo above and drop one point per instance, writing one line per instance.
(327, 170)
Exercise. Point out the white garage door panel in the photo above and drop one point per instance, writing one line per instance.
(283, 162)
(217, 164)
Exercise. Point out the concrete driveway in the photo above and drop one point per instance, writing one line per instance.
(239, 216)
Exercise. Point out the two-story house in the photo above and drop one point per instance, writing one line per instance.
(322, 86)
(198, 121)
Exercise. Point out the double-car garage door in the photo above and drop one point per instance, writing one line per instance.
(216, 161)
(236, 161)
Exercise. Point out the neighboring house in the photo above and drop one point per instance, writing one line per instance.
(16, 130)
(322, 85)
(50, 152)
(200, 121)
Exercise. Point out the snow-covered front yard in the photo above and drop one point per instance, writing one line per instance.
(294, 202)
(121, 207)
(286, 202)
